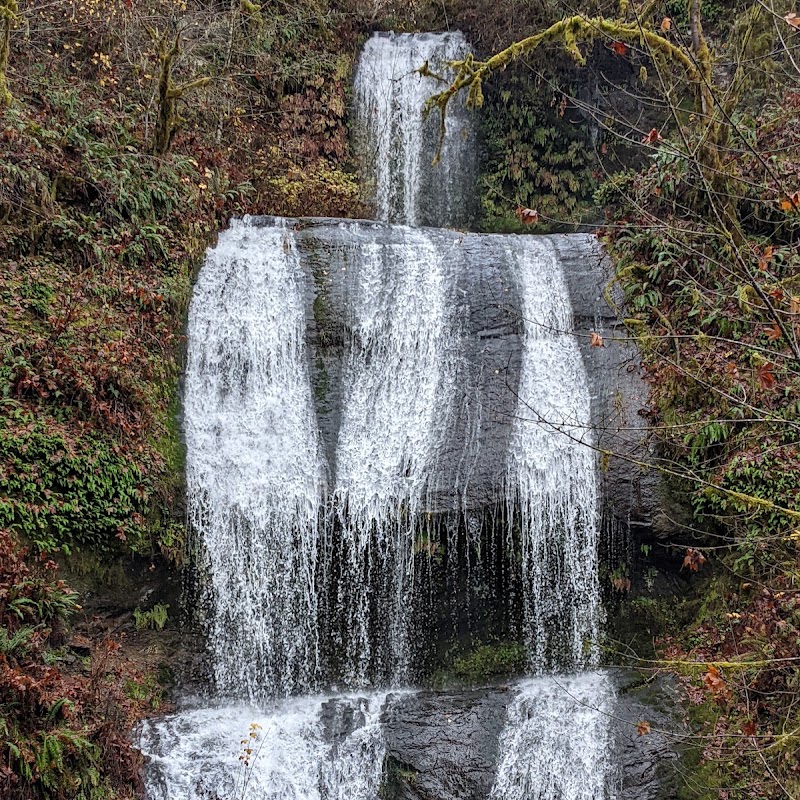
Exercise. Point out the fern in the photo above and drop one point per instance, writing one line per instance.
(17, 642)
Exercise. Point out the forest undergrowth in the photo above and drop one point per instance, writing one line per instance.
(132, 131)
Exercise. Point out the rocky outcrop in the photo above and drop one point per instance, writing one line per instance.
(444, 745)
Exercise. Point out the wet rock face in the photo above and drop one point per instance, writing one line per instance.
(443, 745)
(647, 763)
(471, 464)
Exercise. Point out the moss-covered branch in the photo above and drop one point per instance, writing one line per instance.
(470, 73)
(168, 93)
(8, 18)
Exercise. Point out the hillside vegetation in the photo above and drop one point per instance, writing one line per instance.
(132, 130)
(130, 133)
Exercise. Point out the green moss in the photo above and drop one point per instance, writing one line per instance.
(171, 445)
(488, 661)
(321, 382)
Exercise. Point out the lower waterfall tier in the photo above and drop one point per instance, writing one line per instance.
(559, 738)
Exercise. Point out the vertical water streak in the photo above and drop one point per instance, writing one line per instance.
(255, 473)
(557, 744)
(399, 144)
(396, 396)
(552, 481)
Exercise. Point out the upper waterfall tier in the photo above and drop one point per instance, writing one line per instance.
(398, 145)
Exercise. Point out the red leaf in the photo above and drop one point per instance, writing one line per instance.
(620, 48)
(774, 333)
(765, 376)
(621, 584)
(653, 137)
(749, 728)
(693, 560)
(527, 216)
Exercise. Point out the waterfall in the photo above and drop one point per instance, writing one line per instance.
(398, 385)
(200, 754)
(311, 524)
(556, 744)
(399, 145)
(254, 468)
(552, 483)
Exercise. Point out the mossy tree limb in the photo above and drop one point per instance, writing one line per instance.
(8, 18)
(168, 120)
(569, 32)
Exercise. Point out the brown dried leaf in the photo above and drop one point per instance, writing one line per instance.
(621, 584)
(765, 376)
(643, 728)
(791, 202)
(596, 340)
(693, 560)
(714, 682)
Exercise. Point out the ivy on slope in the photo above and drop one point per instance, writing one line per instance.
(536, 156)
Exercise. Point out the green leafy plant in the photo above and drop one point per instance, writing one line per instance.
(156, 618)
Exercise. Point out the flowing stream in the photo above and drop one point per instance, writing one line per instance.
(308, 553)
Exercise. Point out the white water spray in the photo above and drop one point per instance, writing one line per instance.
(397, 393)
(556, 744)
(552, 473)
(254, 468)
(202, 754)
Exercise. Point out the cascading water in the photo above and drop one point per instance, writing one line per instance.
(399, 144)
(309, 548)
(552, 482)
(556, 744)
(254, 469)
(397, 389)
(202, 754)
